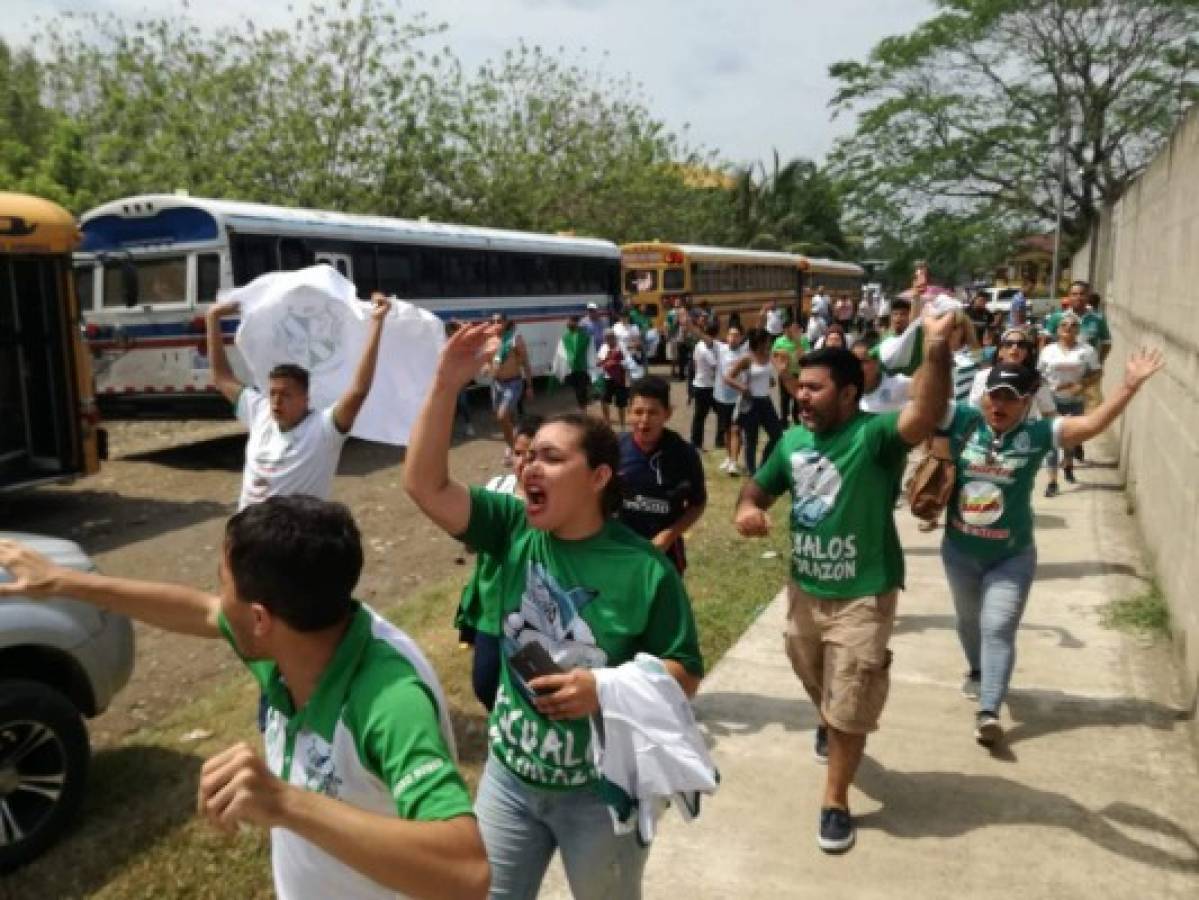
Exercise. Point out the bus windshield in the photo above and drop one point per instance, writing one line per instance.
(142, 282)
(640, 281)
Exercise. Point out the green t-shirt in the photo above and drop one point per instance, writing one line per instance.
(638, 318)
(594, 602)
(842, 485)
(1092, 329)
(990, 510)
(784, 344)
(577, 344)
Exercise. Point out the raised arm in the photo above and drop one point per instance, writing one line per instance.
(222, 375)
(932, 382)
(171, 607)
(1141, 366)
(348, 407)
(426, 463)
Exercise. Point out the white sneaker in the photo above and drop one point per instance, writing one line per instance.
(732, 469)
(724, 466)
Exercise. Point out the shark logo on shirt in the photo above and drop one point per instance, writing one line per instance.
(815, 486)
(549, 615)
(310, 334)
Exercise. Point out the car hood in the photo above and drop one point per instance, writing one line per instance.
(58, 550)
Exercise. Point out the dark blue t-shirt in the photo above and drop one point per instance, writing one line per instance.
(658, 487)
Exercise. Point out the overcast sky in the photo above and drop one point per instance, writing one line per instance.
(747, 77)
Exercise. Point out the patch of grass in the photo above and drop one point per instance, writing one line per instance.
(139, 836)
(1146, 614)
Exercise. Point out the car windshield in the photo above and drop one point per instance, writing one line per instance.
(158, 281)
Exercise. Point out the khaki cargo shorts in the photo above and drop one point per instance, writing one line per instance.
(838, 648)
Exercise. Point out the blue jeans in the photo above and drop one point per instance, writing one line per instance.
(989, 599)
(522, 826)
(759, 416)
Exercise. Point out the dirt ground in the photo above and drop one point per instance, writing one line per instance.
(157, 509)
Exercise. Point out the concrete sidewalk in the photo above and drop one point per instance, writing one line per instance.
(1095, 792)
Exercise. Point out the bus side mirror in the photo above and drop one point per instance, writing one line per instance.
(129, 285)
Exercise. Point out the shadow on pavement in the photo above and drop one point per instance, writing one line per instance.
(226, 453)
(136, 796)
(950, 804)
(723, 713)
(1040, 712)
(104, 520)
(913, 624)
(1084, 569)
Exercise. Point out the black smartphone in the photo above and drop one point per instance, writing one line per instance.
(532, 661)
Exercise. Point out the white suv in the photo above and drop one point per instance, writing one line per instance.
(59, 661)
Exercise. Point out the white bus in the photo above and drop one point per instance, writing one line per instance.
(149, 266)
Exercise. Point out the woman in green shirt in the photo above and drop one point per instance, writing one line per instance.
(989, 553)
(573, 590)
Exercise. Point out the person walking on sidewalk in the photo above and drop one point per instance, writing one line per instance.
(577, 591)
(755, 374)
(1070, 367)
(989, 552)
(841, 467)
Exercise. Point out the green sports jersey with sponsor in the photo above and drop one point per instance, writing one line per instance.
(990, 510)
(372, 735)
(588, 603)
(842, 485)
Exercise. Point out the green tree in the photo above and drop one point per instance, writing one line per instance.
(960, 114)
(794, 207)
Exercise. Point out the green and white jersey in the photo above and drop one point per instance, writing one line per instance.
(990, 510)
(589, 603)
(843, 486)
(375, 734)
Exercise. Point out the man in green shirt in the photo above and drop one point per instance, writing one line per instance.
(1093, 329)
(841, 466)
(576, 345)
(358, 786)
(788, 347)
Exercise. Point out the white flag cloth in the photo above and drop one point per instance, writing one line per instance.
(313, 318)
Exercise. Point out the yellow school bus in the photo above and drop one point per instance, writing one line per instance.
(50, 426)
(729, 280)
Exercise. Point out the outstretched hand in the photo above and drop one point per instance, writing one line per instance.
(1142, 365)
(32, 574)
(466, 351)
(938, 326)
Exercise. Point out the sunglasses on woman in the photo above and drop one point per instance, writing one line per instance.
(1025, 344)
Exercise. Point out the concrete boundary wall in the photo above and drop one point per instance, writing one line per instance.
(1144, 260)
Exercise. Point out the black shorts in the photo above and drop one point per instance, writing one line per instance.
(615, 393)
(581, 382)
(724, 414)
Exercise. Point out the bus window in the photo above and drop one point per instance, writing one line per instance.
(293, 255)
(252, 256)
(208, 277)
(396, 275)
(85, 279)
(159, 281)
(430, 273)
(640, 281)
(365, 277)
(672, 280)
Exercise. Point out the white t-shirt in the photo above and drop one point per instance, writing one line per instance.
(1042, 404)
(704, 358)
(726, 357)
(774, 321)
(300, 461)
(820, 306)
(891, 394)
(625, 332)
(1064, 368)
(817, 328)
(761, 379)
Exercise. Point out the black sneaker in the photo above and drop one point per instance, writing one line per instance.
(987, 730)
(1068, 474)
(1051, 489)
(820, 745)
(836, 830)
(1079, 455)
